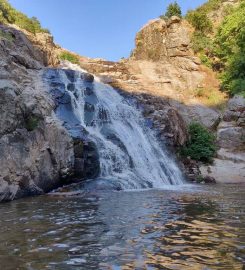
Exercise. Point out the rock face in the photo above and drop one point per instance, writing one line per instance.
(161, 40)
(37, 151)
(86, 163)
(162, 65)
(229, 166)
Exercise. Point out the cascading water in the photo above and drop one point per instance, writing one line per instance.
(129, 152)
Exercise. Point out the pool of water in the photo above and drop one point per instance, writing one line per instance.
(192, 227)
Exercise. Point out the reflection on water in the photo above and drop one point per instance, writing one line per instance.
(153, 229)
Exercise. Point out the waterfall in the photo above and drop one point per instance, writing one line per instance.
(129, 152)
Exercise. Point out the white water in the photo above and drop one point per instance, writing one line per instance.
(128, 150)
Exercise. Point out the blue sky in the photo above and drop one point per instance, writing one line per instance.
(97, 28)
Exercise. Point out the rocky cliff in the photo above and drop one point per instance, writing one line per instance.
(37, 152)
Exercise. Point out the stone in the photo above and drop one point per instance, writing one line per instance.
(71, 75)
(175, 19)
(209, 180)
(71, 87)
(87, 77)
(237, 104)
(231, 138)
(36, 150)
(88, 91)
(225, 171)
(32, 163)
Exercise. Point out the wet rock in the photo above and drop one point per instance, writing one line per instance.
(87, 77)
(88, 91)
(71, 75)
(79, 168)
(65, 99)
(58, 85)
(89, 107)
(191, 168)
(86, 161)
(78, 148)
(71, 87)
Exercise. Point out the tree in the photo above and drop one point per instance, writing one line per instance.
(173, 10)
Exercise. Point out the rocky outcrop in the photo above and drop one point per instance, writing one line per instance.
(161, 40)
(163, 65)
(44, 42)
(37, 152)
(40, 46)
(229, 166)
(86, 157)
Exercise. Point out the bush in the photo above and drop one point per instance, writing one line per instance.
(69, 57)
(200, 21)
(201, 42)
(173, 10)
(6, 35)
(210, 5)
(201, 145)
(230, 48)
(31, 122)
(10, 15)
(206, 60)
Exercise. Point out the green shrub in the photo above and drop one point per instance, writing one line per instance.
(31, 122)
(10, 15)
(173, 10)
(6, 35)
(230, 48)
(205, 60)
(200, 21)
(210, 5)
(201, 42)
(201, 145)
(69, 57)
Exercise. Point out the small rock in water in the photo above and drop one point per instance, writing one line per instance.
(209, 180)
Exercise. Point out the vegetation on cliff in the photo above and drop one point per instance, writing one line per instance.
(12, 16)
(222, 49)
(201, 144)
(73, 58)
(230, 49)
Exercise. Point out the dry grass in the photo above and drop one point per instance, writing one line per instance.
(210, 97)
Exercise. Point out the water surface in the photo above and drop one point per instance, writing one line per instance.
(197, 227)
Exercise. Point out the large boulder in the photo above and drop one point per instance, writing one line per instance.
(36, 150)
(231, 131)
(34, 162)
(160, 40)
(229, 167)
